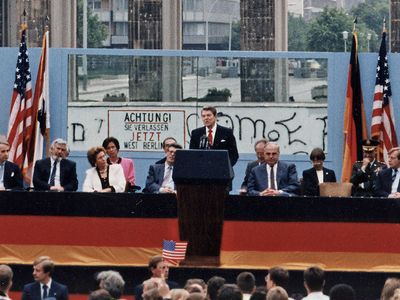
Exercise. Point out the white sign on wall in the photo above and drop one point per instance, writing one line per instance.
(144, 130)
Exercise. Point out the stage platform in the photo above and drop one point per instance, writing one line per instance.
(354, 239)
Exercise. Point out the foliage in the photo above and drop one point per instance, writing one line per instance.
(297, 33)
(325, 32)
(97, 32)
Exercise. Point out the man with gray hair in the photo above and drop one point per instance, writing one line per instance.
(112, 282)
(10, 174)
(55, 173)
(6, 276)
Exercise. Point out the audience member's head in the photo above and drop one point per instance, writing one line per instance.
(152, 294)
(314, 279)
(259, 294)
(229, 292)
(157, 267)
(113, 282)
(100, 294)
(195, 285)
(396, 295)
(342, 292)
(43, 268)
(179, 294)
(391, 284)
(213, 285)
(277, 276)
(246, 282)
(277, 293)
(6, 276)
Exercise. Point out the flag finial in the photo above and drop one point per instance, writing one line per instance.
(384, 25)
(354, 24)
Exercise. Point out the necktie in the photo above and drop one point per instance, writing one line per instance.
(44, 292)
(167, 177)
(53, 173)
(394, 174)
(272, 178)
(210, 137)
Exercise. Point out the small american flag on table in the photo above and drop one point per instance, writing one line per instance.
(174, 252)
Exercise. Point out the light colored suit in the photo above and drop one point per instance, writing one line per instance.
(286, 178)
(116, 178)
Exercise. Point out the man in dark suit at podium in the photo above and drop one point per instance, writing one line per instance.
(275, 177)
(55, 173)
(44, 286)
(213, 136)
(10, 174)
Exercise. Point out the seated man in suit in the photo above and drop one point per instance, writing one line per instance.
(364, 172)
(213, 136)
(317, 174)
(159, 178)
(274, 178)
(387, 181)
(259, 147)
(55, 173)
(44, 286)
(10, 174)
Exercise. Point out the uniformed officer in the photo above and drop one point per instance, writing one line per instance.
(364, 172)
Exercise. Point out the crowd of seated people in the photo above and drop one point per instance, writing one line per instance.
(268, 175)
(158, 287)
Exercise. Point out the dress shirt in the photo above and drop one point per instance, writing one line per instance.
(2, 165)
(48, 289)
(269, 176)
(168, 181)
(320, 175)
(57, 178)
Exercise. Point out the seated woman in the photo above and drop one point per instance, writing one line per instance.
(111, 144)
(317, 174)
(103, 177)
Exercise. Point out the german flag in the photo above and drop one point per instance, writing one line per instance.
(355, 126)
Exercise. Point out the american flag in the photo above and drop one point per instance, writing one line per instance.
(383, 126)
(174, 252)
(22, 115)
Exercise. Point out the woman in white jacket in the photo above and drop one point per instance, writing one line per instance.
(103, 177)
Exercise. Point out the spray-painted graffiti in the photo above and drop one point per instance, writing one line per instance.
(296, 129)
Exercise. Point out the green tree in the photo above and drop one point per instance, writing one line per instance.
(325, 33)
(371, 13)
(97, 32)
(297, 33)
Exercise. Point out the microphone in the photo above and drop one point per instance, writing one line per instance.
(203, 142)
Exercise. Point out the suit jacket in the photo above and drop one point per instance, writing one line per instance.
(116, 179)
(383, 183)
(311, 183)
(286, 179)
(12, 178)
(366, 178)
(249, 167)
(223, 140)
(31, 291)
(155, 178)
(41, 175)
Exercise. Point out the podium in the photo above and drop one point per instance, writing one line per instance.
(202, 178)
